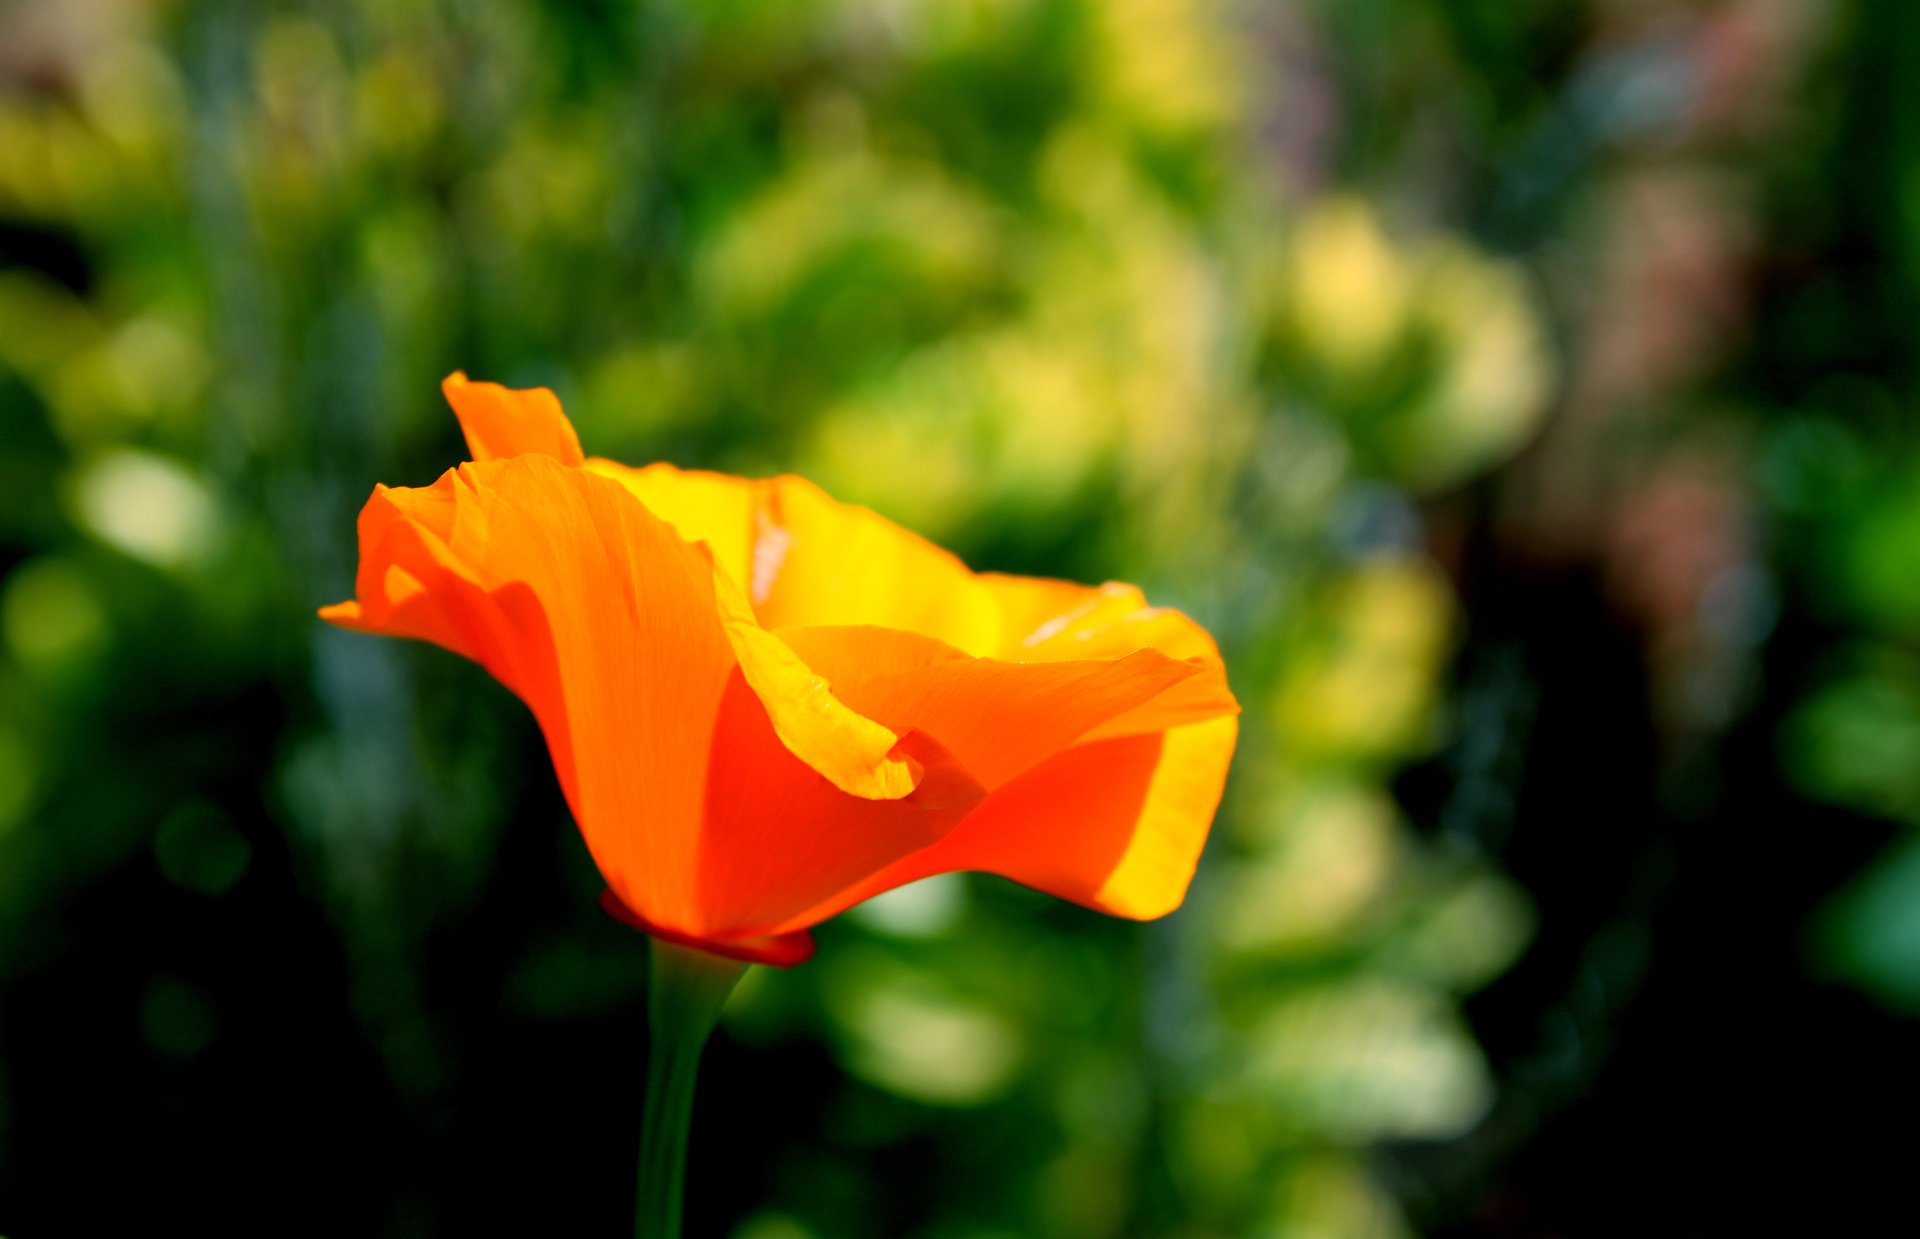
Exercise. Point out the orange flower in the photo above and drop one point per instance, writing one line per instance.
(765, 706)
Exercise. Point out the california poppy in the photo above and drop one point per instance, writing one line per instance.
(765, 706)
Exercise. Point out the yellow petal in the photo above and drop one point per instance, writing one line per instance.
(818, 561)
(1045, 619)
(1151, 876)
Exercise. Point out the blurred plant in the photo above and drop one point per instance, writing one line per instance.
(1854, 738)
(1432, 355)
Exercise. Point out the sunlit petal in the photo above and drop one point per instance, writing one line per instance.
(1001, 718)
(500, 422)
(1117, 825)
(819, 561)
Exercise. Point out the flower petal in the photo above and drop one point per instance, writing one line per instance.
(780, 836)
(806, 560)
(500, 422)
(1045, 619)
(1104, 774)
(819, 561)
(625, 640)
(597, 615)
(854, 753)
(848, 747)
(715, 508)
(1163, 848)
(1001, 718)
(1116, 825)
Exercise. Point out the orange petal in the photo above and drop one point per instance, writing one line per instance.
(1202, 696)
(1001, 718)
(845, 745)
(856, 754)
(624, 639)
(500, 422)
(780, 836)
(599, 616)
(1117, 825)
(405, 577)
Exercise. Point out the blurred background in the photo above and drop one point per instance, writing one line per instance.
(1523, 392)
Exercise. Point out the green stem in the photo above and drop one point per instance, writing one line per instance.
(685, 992)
